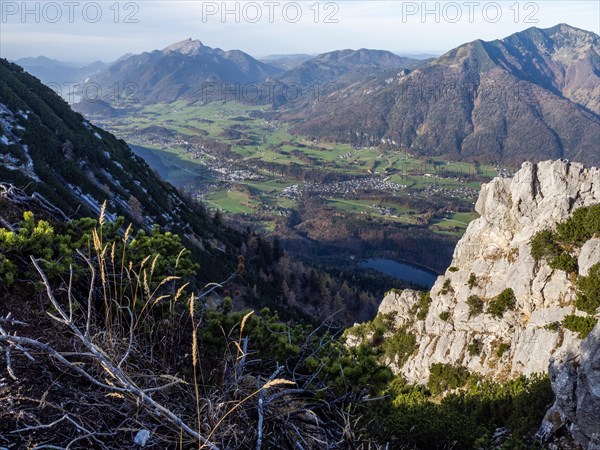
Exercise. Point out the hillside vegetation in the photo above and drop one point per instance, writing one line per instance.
(114, 317)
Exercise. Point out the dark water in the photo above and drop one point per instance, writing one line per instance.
(176, 171)
(402, 271)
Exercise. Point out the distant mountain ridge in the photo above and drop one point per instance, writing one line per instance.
(59, 74)
(286, 62)
(562, 59)
(185, 70)
(531, 96)
(180, 71)
(346, 66)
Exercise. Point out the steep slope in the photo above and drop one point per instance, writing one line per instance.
(47, 148)
(531, 96)
(180, 71)
(464, 323)
(562, 59)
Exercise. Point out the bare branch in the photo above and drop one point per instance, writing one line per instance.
(11, 321)
(17, 346)
(91, 292)
(113, 370)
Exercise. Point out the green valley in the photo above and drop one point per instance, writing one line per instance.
(243, 160)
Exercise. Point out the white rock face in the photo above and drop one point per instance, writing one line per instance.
(401, 304)
(495, 248)
(589, 255)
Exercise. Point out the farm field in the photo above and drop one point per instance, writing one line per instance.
(242, 160)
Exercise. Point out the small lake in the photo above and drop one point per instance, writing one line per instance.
(401, 271)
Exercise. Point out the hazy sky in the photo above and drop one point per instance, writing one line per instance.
(85, 31)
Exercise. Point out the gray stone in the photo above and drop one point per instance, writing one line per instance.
(575, 381)
(589, 255)
(141, 438)
(496, 249)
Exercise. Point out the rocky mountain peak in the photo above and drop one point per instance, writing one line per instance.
(186, 47)
(493, 258)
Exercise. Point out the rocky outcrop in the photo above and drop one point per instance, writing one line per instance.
(575, 380)
(589, 255)
(494, 255)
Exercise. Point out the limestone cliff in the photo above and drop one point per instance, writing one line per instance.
(495, 255)
(576, 382)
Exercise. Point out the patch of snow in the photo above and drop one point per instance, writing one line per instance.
(97, 135)
(7, 118)
(111, 178)
(29, 164)
(7, 124)
(91, 202)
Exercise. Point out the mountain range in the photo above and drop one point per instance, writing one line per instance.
(286, 62)
(189, 70)
(531, 96)
(181, 71)
(58, 74)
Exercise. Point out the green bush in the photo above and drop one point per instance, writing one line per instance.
(373, 334)
(580, 325)
(475, 347)
(472, 282)
(475, 305)
(422, 308)
(554, 247)
(502, 349)
(592, 220)
(400, 345)
(588, 298)
(443, 377)
(544, 246)
(446, 287)
(453, 269)
(505, 301)
(8, 270)
(153, 257)
(466, 420)
(564, 262)
(445, 315)
(581, 226)
(553, 326)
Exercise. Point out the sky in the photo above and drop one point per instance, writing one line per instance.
(85, 31)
